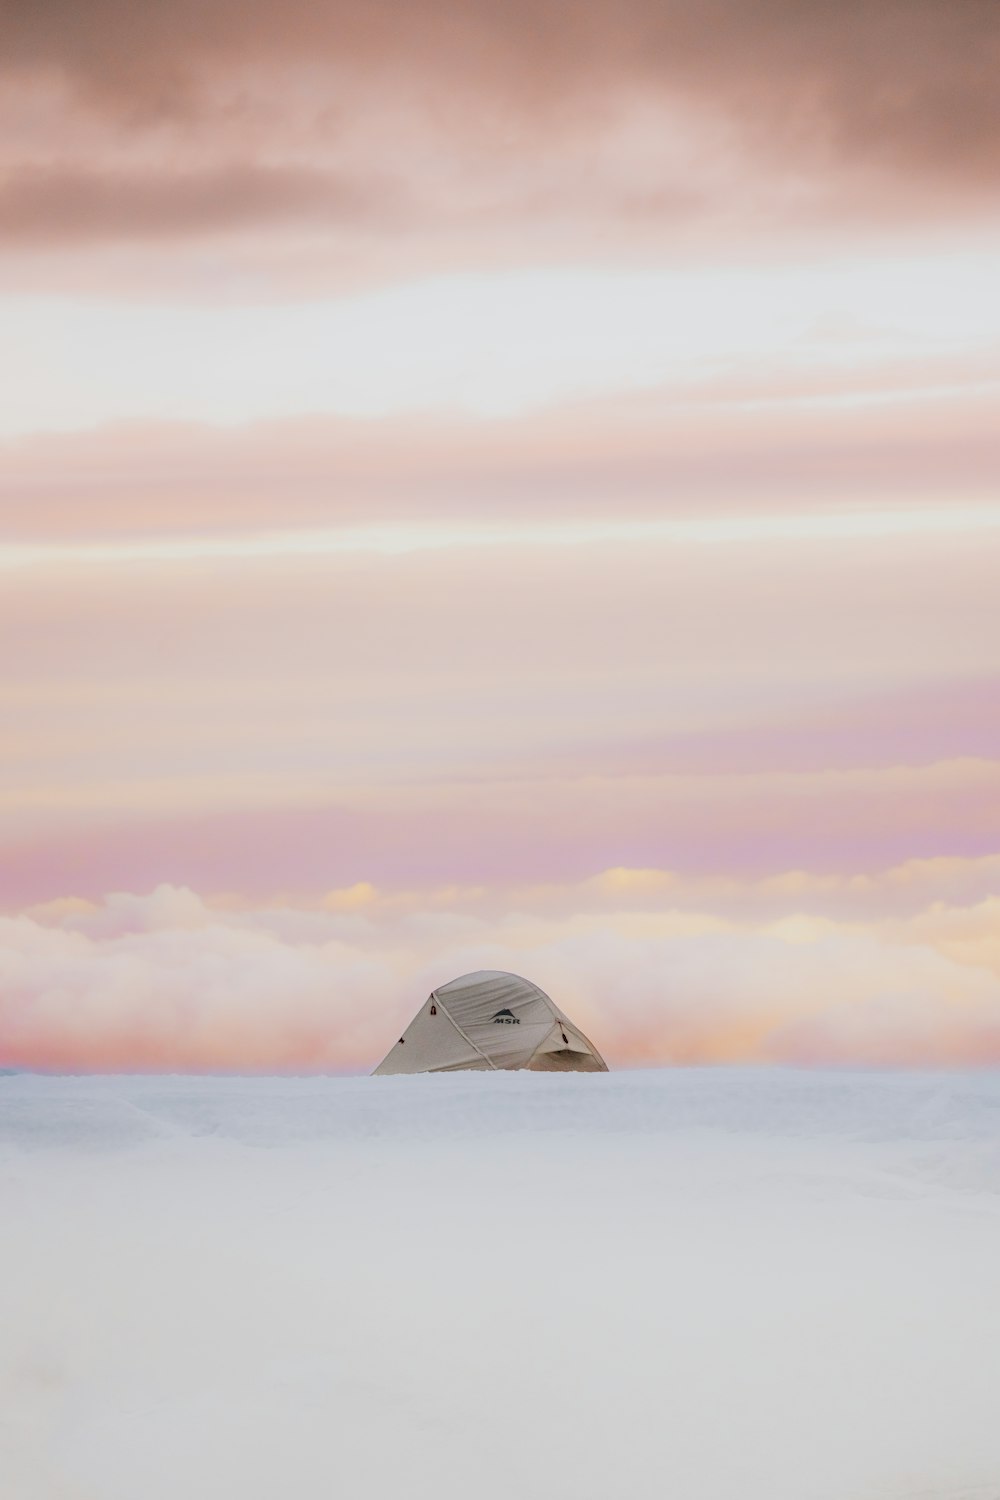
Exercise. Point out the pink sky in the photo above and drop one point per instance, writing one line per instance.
(499, 485)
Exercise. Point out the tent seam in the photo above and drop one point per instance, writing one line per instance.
(462, 1034)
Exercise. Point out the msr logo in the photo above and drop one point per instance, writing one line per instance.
(506, 1017)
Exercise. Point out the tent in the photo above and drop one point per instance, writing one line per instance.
(491, 1020)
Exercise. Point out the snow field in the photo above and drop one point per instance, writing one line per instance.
(697, 1284)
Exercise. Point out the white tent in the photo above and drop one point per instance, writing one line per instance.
(491, 1020)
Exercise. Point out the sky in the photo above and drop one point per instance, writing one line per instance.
(499, 486)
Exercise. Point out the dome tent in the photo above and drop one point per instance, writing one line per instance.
(491, 1020)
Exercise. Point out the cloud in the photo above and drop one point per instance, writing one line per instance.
(912, 725)
(39, 205)
(518, 131)
(175, 994)
(945, 897)
(808, 442)
(500, 712)
(273, 837)
(911, 80)
(168, 981)
(964, 934)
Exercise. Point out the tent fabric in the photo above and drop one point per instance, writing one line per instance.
(491, 1020)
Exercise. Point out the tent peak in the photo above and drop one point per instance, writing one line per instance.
(483, 976)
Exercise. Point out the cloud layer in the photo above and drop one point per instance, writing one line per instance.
(801, 445)
(912, 81)
(347, 141)
(658, 968)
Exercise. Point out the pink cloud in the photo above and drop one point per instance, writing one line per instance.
(502, 712)
(911, 725)
(710, 448)
(524, 831)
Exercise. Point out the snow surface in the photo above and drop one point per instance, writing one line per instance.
(688, 1284)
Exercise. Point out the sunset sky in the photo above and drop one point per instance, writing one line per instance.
(499, 485)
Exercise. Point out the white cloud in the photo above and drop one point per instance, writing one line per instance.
(493, 344)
